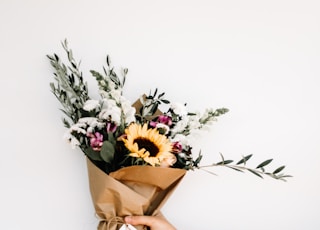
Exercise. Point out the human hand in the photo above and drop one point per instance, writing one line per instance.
(154, 222)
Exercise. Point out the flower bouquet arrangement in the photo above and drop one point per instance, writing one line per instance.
(136, 153)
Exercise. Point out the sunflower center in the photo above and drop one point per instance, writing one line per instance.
(147, 145)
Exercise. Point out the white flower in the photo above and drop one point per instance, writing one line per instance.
(71, 140)
(179, 109)
(129, 114)
(78, 129)
(90, 121)
(110, 110)
(180, 126)
(116, 95)
(90, 130)
(74, 143)
(128, 111)
(182, 139)
(115, 115)
(108, 103)
(90, 105)
(194, 121)
(112, 113)
(104, 94)
(86, 124)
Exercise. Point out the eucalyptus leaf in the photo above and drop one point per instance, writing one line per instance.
(93, 155)
(57, 57)
(255, 173)
(108, 60)
(161, 95)
(244, 159)
(111, 138)
(155, 92)
(234, 168)
(266, 162)
(165, 101)
(225, 162)
(278, 169)
(107, 151)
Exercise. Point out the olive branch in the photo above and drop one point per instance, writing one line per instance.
(241, 166)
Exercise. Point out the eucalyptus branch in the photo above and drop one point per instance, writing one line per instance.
(69, 87)
(240, 166)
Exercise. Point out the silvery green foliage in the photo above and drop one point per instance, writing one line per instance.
(241, 166)
(69, 88)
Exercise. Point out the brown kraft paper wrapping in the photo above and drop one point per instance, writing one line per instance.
(133, 190)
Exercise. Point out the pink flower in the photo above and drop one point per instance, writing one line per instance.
(162, 119)
(176, 147)
(96, 140)
(111, 127)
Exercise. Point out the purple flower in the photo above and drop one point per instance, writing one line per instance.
(161, 119)
(111, 127)
(96, 140)
(164, 119)
(176, 147)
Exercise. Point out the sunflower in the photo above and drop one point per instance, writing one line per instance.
(147, 144)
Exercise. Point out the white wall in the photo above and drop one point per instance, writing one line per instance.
(258, 58)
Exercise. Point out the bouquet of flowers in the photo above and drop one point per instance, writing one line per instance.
(136, 153)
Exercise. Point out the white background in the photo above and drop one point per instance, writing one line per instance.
(258, 58)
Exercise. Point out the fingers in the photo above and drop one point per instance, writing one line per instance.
(139, 220)
(154, 222)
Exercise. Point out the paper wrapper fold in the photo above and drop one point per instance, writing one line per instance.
(134, 190)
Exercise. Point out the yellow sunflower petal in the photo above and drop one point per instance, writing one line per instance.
(154, 147)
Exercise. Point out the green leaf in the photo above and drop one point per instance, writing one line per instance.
(197, 161)
(107, 151)
(161, 95)
(155, 92)
(234, 168)
(56, 56)
(279, 169)
(108, 60)
(165, 101)
(255, 173)
(111, 138)
(266, 162)
(93, 155)
(224, 162)
(244, 159)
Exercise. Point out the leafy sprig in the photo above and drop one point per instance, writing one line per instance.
(70, 88)
(150, 104)
(110, 80)
(241, 166)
